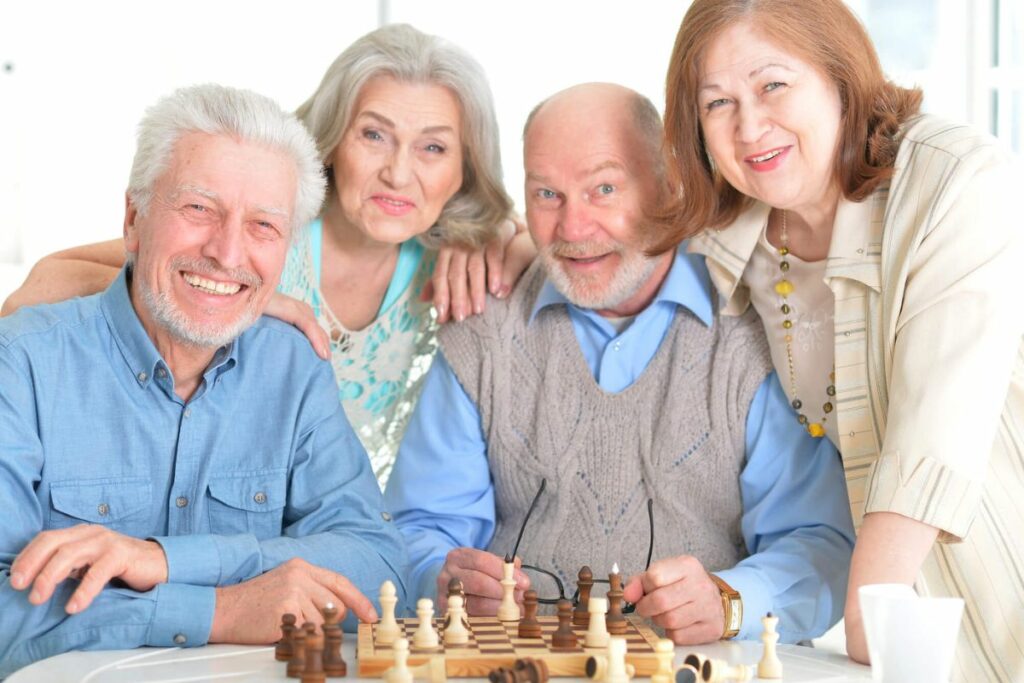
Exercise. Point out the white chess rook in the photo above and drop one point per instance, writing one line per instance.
(597, 631)
(388, 629)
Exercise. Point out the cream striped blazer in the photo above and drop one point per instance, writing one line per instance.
(928, 278)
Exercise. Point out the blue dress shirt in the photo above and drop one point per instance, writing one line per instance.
(257, 467)
(796, 519)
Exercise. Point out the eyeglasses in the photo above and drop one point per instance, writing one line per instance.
(627, 608)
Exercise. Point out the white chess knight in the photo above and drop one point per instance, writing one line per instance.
(597, 631)
(399, 673)
(425, 637)
(388, 629)
(508, 610)
(770, 665)
(456, 633)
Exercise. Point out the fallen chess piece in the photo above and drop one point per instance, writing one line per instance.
(719, 671)
(525, 670)
(686, 674)
(695, 660)
(770, 665)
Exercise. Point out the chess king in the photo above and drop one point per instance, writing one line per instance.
(174, 468)
(610, 375)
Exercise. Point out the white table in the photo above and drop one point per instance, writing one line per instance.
(257, 664)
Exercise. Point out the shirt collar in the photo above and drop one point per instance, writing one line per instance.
(136, 347)
(687, 284)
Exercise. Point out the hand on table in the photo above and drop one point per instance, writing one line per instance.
(678, 595)
(462, 276)
(480, 573)
(300, 314)
(89, 552)
(249, 613)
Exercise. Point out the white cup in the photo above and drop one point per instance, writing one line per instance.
(909, 638)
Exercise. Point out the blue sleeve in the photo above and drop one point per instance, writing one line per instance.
(796, 524)
(440, 490)
(117, 618)
(334, 518)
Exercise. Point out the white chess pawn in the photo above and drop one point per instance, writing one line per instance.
(425, 637)
(456, 633)
(616, 672)
(387, 629)
(434, 670)
(719, 671)
(508, 610)
(597, 631)
(399, 673)
(770, 665)
(665, 653)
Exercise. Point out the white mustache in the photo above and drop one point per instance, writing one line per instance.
(563, 249)
(208, 267)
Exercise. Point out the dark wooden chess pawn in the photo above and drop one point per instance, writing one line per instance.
(285, 648)
(334, 664)
(529, 626)
(297, 664)
(314, 671)
(564, 638)
(585, 580)
(615, 620)
(455, 588)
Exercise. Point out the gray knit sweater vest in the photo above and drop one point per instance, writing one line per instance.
(676, 435)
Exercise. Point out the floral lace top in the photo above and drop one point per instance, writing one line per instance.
(379, 369)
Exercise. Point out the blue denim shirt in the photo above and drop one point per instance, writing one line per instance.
(258, 467)
(796, 516)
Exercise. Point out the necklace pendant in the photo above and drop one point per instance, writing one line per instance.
(784, 287)
(816, 430)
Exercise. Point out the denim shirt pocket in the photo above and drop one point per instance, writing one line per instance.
(248, 502)
(120, 503)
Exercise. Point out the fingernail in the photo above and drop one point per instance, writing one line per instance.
(35, 597)
(17, 580)
(478, 309)
(440, 311)
(504, 291)
(72, 607)
(459, 315)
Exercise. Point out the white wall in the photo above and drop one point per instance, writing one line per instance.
(83, 72)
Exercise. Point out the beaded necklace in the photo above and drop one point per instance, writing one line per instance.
(784, 288)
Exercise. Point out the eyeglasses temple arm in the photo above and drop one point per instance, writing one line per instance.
(522, 529)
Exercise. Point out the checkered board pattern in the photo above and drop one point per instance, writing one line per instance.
(493, 644)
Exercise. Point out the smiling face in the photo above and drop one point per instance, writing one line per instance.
(400, 160)
(771, 121)
(588, 178)
(210, 249)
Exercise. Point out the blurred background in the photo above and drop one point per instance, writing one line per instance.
(75, 77)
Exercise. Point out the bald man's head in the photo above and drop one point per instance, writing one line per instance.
(593, 172)
(636, 112)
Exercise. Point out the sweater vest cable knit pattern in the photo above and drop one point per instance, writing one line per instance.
(676, 435)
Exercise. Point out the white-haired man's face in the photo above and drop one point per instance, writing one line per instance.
(588, 181)
(209, 251)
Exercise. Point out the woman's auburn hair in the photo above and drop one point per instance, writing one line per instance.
(826, 34)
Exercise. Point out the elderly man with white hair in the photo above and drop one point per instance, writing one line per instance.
(175, 469)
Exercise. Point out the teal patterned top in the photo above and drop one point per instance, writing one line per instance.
(379, 369)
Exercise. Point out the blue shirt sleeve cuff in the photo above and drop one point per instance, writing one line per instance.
(756, 595)
(211, 560)
(183, 615)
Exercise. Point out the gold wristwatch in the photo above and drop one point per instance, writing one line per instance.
(732, 605)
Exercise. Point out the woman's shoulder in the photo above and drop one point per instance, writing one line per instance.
(938, 139)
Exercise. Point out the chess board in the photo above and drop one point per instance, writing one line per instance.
(493, 644)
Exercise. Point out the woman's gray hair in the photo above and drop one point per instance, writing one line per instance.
(240, 114)
(477, 209)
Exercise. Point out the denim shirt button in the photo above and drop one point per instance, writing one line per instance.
(181, 502)
(103, 509)
(386, 516)
(180, 639)
(260, 498)
(142, 376)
